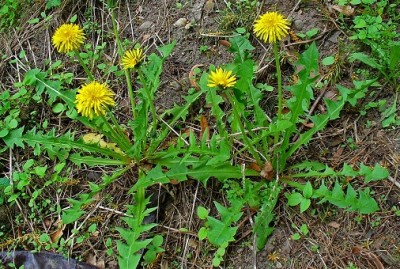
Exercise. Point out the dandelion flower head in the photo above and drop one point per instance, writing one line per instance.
(93, 99)
(271, 27)
(221, 78)
(132, 58)
(68, 37)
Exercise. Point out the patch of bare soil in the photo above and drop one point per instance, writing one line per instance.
(336, 238)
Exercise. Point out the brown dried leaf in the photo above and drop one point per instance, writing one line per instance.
(255, 167)
(57, 234)
(225, 43)
(47, 222)
(268, 171)
(346, 10)
(334, 224)
(308, 124)
(204, 127)
(192, 77)
(338, 153)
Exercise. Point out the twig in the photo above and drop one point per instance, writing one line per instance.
(11, 169)
(184, 259)
(309, 40)
(217, 35)
(259, 152)
(313, 107)
(254, 250)
(253, 130)
(394, 181)
(72, 236)
(294, 8)
(115, 211)
(175, 132)
(178, 231)
(130, 18)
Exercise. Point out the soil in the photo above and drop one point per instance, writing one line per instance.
(336, 238)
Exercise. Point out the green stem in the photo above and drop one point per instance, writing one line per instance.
(88, 73)
(280, 95)
(119, 129)
(238, 120)
(150, 100)
(121, 54)
(115, 137)
(130, 92)
(140, 197)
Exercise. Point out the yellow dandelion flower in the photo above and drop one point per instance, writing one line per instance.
(68, 37)
(132, 58)
(93, 99)
(271, 27)
(221, 78)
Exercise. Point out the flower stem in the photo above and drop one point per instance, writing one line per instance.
(126, 71)
(140, 201)
(280, 95)
(237, 117)
(88, 73)
(115, 137)
(150, 100)
(119, 129)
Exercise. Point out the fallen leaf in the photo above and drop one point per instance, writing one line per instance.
(255, 167)
(346, 10)
(338, 153)
(204, 127)
(192, 77)
(308, 124)
(334, 224)
(268, 171)
(225, 43)
(57, 234)
(47, 222)
(92, 138)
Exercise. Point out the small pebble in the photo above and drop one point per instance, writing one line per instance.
(334, 37)
(146, 25)
(181, 22)
(298, 25)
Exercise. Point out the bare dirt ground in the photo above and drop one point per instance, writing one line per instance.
(336, 238)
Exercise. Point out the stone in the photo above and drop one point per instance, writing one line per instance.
(181, 22)
(146, 25)
(298, 25)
